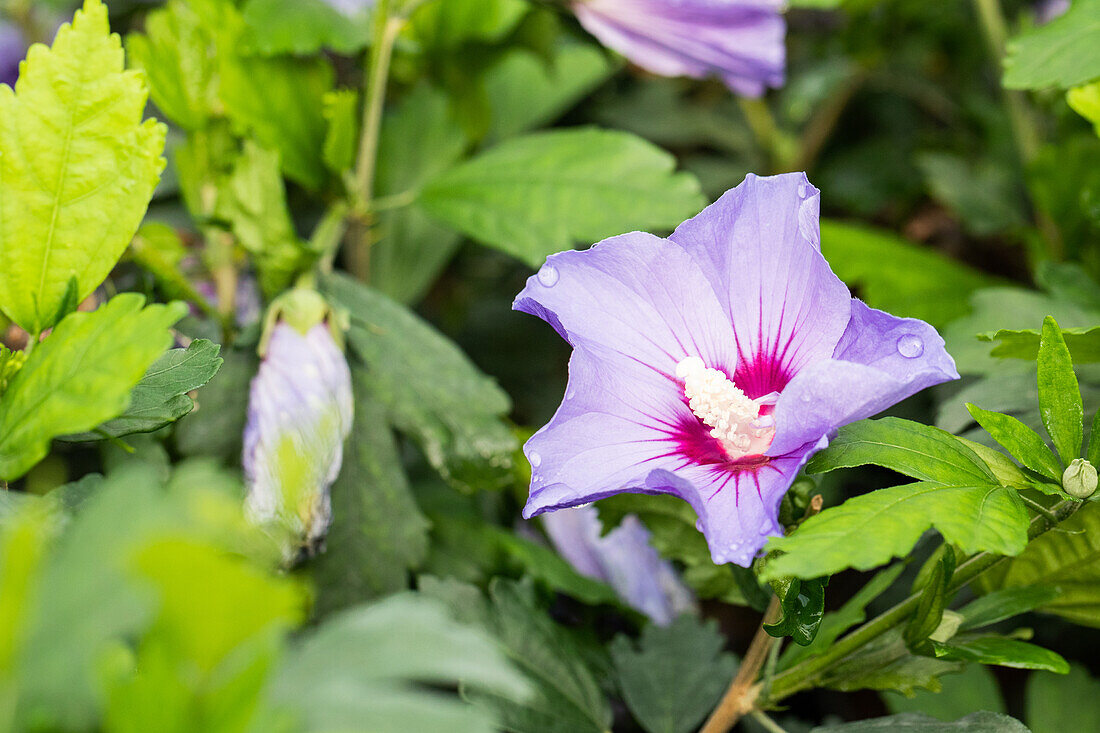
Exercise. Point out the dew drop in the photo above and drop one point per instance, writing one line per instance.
(766, 526)
(548, 275)
(535, 459)
(803, 190)
(910, 346)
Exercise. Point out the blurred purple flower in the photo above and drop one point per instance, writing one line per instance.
(299, 414)
(1048, 10)
(12, 50)
(350, 7)
(712, 364)
(623, 558)
(248, 302)
(740, 41)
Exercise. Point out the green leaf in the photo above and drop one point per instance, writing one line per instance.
(1068, 558)
(215, 427)
(542, 193)
(159, 250)
(215, 637)
(371, 668)
(673, 676)
(1057, 703)
(547, 566)
(983, 722)
(1019, 440)
(80, 376)
(567, 696)
(1059, 395)
(923, 452)
(983, 195)
(803, 606)
(160, 398)
(303, 27)
(868, 530)
(975, 688)
(526, 91)
(420, 139)
(886, 664)
(428, 386)
(1001, 651)
(837, 622)
(904, 278)
(176, 54)
(378, 533)
(1083, 344)
(1061, 53)
(342, 134)
(77, 168)
(1004, 604)
(933, 600)
(452, 23)
(253, 201)
(281, 101)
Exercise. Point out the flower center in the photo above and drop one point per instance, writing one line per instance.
(734, 419)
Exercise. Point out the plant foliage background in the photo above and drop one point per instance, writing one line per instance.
(161, 187)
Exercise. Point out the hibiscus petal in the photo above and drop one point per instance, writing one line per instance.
(737, 511)
(759, 246)
(623, 558)
(880, 360)
(637, 294)
(615, 426)
(740, 41)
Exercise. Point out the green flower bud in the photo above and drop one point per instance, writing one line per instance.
(1079, 480)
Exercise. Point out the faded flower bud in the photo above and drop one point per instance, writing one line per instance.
(1079, 479)
(299, 414)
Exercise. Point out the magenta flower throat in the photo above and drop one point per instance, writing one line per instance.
(711, 365)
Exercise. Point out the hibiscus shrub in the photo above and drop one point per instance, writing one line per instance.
(282, 449)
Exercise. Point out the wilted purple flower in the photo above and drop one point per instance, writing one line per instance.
(740, 41)
(13, 47)
(623, 558)
(712, 364)
(299, 414)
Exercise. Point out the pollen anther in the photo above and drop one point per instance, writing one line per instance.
(733, 417)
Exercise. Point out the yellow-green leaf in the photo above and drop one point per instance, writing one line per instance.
(77, 168)
(80, 376)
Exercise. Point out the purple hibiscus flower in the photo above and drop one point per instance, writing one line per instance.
(712, 364)
(299, 414)
(740, 41)
(623, 558)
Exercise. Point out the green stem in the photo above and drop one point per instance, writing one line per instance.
(767, 723)
(776, 144)
(824, 121)
(1024, 131)
(806, 674)
(386, 29)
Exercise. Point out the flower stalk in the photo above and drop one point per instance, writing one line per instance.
(387, 26)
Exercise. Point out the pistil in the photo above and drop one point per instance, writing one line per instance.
(734, 418)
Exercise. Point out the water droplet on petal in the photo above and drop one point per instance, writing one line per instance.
(548, 275)
(803, 190)
(535, 459)
(766, 526)
(910, 346)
